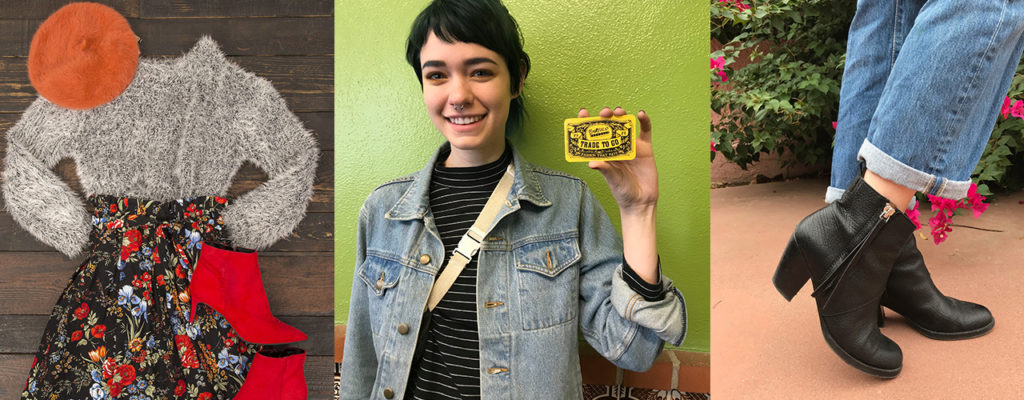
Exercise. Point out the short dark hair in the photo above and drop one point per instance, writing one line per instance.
(484, 22)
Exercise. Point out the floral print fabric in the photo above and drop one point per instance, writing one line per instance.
(121, 328)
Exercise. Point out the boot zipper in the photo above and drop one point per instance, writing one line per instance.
(837, 275)
(887, 212)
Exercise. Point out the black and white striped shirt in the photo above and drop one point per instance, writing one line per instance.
(449, 367)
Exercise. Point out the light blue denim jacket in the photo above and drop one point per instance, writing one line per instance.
(550, 264)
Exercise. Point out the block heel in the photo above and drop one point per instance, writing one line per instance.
(792, 271)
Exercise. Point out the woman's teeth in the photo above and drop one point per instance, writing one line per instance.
(465, 120)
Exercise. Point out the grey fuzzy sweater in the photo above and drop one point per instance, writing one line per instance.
(181, 129)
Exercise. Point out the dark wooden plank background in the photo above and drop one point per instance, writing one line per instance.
(288, 42)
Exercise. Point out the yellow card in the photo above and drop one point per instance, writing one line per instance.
(600, 139)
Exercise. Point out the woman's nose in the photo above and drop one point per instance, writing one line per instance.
(460, 92)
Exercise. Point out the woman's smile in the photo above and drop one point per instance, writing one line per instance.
(467, 93)
(465, 122)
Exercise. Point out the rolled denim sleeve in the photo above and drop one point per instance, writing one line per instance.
(666, 316)
(625, 343)
(359, 363)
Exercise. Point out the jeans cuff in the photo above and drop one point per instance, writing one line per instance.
(834, 193)
(894, 170)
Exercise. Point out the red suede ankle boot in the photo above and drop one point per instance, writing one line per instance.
(275, 375)
(229, 281)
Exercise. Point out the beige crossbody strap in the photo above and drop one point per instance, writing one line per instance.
(470, 242)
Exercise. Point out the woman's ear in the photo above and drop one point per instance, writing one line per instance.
(522, 80)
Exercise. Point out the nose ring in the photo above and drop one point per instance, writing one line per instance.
(458, 107)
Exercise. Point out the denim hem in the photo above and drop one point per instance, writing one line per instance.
(894, 170)
(834, 193)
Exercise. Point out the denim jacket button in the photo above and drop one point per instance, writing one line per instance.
(403, 329)
(425, 259)
(388, 393)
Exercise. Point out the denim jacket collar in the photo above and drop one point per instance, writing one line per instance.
(415, 203)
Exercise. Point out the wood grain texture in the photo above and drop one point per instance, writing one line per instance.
(237, 36)
(39, 9)
(233, 8)
(319, 371)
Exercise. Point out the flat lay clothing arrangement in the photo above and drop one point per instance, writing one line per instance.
(550, 266)
(121, 328)
(922, 88)
(155, 163)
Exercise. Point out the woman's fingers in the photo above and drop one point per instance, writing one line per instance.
(645, 124)
(583, 113)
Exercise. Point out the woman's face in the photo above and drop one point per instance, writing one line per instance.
(466, 91)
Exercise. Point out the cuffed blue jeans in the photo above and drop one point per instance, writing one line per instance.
(923, 85)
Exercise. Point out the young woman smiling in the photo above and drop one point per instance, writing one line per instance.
(550, 262)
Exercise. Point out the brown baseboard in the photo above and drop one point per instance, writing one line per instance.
(694, 368)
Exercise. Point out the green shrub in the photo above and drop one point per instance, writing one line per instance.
(787, 95)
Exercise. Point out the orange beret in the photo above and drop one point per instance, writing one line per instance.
(83, 56)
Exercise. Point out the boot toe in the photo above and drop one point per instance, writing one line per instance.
(861, 345)
(887, 355)
(975, 317)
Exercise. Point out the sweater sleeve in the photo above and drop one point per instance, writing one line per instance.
(272, 137)
(34, 195)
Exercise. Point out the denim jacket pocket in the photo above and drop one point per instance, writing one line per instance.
(548, 281)
(381, 276)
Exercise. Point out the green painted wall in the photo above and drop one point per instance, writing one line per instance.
(649, 55)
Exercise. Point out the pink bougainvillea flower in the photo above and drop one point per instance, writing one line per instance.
(718, 66)
(713, 146)
(913, 214)
(835, 125)
(944, 206)
(1005, 110)
(1017, 110)
(718, 63)
(976, 201)
(940, 227)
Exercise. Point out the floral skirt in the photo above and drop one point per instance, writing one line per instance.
(121, 328)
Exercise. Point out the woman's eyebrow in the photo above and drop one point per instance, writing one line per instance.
(433, 63)
(480, 60)
(469, 62)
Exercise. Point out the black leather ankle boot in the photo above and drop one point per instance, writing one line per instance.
(847, 249)
(911, 293)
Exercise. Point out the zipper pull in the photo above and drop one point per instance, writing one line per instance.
(887, 212)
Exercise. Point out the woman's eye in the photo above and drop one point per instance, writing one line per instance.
(433, 76)
(482, 73)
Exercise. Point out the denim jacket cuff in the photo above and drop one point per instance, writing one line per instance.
(665, 317)
(650, 291)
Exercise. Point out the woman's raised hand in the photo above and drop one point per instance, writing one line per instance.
(633, 183)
